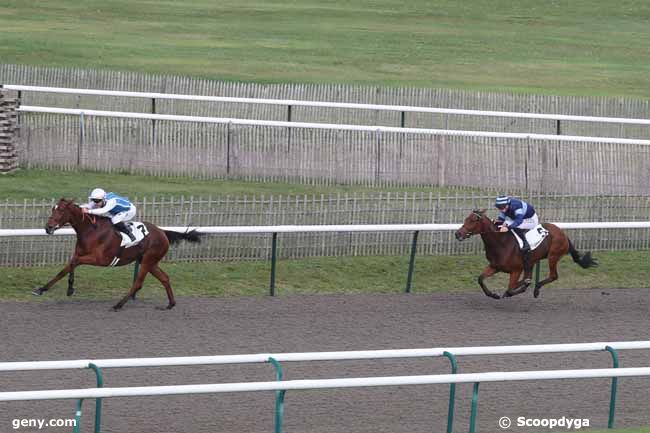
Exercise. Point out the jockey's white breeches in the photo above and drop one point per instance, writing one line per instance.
(124, 216)
(529, 223)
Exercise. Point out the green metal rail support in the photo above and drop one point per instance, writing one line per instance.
(98, 401)
(136, 269)
(612, 400)
(414, 247)
(472, 418)
(77, 416)
(452, 392)
(274, 259)
(279, 396)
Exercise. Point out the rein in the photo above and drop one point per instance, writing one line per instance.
(92, 218)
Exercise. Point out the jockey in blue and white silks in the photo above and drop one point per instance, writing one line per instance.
(517, 215)
(118, 209)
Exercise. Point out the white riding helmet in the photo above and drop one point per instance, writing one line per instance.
(97, 194)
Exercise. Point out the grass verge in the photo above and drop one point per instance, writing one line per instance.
(332, 275)
(46, 184)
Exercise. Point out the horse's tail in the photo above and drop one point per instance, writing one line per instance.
(190, 236)
(585, 261)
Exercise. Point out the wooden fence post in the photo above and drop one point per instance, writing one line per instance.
(8, 128)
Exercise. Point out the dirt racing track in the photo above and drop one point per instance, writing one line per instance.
(224, 326)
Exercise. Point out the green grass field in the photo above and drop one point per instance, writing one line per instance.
(580, 47)
(329, 275)
(47, 184)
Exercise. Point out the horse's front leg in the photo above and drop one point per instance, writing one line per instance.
(65, 271)
(69, 269)
(487, 273)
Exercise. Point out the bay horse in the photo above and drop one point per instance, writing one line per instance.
(503, 254)
(98, 244)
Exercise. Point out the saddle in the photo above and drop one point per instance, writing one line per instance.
(137, 229)
(534, 236)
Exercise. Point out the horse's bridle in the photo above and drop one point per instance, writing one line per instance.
(480, 216)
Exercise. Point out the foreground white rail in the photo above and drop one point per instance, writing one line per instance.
(324, 356)
(282, 386)
(275, 358)
(338, 127)
(291, 102)
(324, 383)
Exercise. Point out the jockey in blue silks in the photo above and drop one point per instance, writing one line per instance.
(517, 215)
(113, 206)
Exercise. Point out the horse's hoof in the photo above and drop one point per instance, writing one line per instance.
(495, 296)
(38, 292)
(70, 291)
(536, 293)
(117, 307)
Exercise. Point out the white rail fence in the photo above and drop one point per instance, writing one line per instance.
(324, 104)
(339, 228)
(328, 152)
(337, 127)
(282, 386)
(275, 230)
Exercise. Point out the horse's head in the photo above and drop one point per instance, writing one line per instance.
(64, 212)
(475, 223)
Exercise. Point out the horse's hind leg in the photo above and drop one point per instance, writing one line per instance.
(516, 287)
(552, 274)
(487, 273)
(164, 280)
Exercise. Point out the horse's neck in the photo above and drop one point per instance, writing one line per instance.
(494, 239)
(81, 224)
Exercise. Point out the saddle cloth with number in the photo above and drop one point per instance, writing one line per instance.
(138, 230)
(534, 236)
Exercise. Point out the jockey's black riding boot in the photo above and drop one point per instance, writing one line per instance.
(124, 229)
(522, 235)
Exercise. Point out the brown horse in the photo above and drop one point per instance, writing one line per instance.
(98, 244)
(503, 254)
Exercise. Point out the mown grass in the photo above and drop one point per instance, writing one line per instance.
(332, 275)
(581, 47)
(47, 184)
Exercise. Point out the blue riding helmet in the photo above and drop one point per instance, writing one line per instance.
(502, 201)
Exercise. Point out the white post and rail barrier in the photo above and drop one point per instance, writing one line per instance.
(402, 109)
(339, 127)
(275, 230)
(280, 387)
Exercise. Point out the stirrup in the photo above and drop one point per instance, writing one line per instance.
(125, 230)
